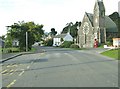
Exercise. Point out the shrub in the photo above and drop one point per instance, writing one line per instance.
(74, 46)
(48, 42)
(66, 44)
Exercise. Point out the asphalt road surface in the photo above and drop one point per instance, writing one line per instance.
(60, 68)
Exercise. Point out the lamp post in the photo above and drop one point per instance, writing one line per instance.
(26, 41)
(77, 39)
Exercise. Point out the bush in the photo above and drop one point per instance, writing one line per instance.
(74, 46)
(66, 44)
(48, 42)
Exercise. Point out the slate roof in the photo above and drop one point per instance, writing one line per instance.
(60, 36)
(110, 25)
(90, 16)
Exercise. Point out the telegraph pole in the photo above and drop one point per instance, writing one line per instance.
(26, 41)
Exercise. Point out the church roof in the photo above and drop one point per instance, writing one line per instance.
(90, 16)
(110, 25)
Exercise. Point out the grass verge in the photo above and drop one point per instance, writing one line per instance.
(114, 53)
(10, 50)
(33, 50)
(14, 50)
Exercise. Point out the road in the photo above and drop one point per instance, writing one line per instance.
(58, 67)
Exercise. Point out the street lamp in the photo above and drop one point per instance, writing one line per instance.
(26, 41)
(77, 39)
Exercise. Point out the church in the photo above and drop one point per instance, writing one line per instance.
(96, 26)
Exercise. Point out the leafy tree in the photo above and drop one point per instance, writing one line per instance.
(3, 37)
(53, 32)
(8, 40)
(18, 31)
(72, 27)
(48, 42)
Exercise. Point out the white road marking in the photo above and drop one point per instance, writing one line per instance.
(21, 73)
(28, 67)
(11, 73)
(57, 55)
(72, 57)
(11, 83)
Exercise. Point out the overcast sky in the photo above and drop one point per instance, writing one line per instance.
(51, 13)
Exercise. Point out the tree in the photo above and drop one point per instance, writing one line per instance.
(8, 40)
(73, 28)
(48, 42)
(3, 37)
(18, 31)
(53, 32)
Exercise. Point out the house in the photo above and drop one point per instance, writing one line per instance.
(116, 42)
(15, 42)
(96, 26)
(59, 39)
(2, 43)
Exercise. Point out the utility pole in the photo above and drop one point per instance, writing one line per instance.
(26, 41)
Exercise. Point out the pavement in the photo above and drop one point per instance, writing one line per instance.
(8, 56)
(97, 50)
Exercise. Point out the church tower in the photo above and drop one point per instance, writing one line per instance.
(99, 21)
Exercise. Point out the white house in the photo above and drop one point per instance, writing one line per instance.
(15, 42)
(116, 42)
(59, 39)
(2, 43)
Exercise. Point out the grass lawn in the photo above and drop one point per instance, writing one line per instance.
(112, 53)
(0, 49)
